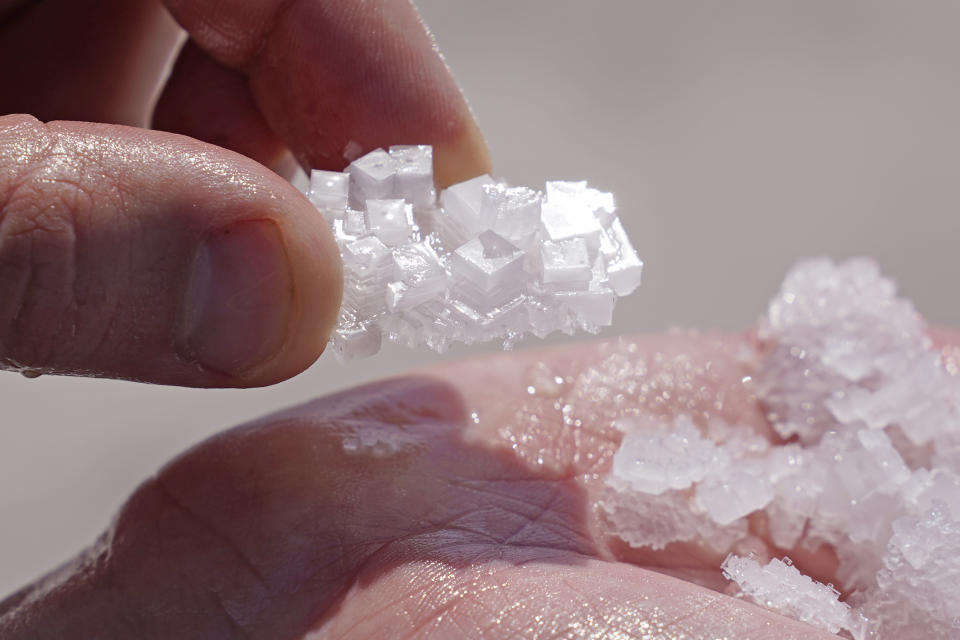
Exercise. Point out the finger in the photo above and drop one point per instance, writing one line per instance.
(97, 61)
(208, 101)
(336, 79)
(378, 511)
(149, 256)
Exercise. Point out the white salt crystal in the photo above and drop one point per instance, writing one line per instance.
(414, 174)
(599, 203)
(625, 267)
(372, 176)
(462, 203)
(652, 459)
(836, 329)
(566, 219)
(779, 586)
(873, 476)
(328, 192)
(654, 521)
(919, 586)
(488, 263)
(594, 307)
(389, 220)
(513, 211)
(566, 261)
(735, 491)
(356, 342)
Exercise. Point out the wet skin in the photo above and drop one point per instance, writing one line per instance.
(480, 521)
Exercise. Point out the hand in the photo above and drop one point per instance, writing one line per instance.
(150, 256)
(449, 504)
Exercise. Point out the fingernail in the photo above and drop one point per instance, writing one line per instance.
(238, 303)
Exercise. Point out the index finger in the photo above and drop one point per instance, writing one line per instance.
(336, 79)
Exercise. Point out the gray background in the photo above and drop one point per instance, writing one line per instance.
(737, 136)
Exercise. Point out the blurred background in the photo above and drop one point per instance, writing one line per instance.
(738, 136)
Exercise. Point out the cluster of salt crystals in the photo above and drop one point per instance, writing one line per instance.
(850, 374)
(484, 262)
(781, 587)
(710, 487)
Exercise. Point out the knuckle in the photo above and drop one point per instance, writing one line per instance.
(50, 191)
(40, 203)
(37, 271)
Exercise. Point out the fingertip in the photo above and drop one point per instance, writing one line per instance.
(463, 157)
(315, 289)
(317, 286)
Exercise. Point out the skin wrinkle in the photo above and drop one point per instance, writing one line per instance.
(262, 482)
(539, 511)
(54, 171)
(33, 307)
(209, 526)
(135, 229)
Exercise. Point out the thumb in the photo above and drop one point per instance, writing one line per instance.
(150, 256)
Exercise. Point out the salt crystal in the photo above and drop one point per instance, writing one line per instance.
(562, 221)
(918, 588)
(389, 220)
(328, 192)
(873, 475)
(513, 211)
(735, 491)
(839, 336)
(372, 176)
(779, 586)
(414, 177)
(566, 262)
(652, 459)
(487, 262)
(625, 267)
(655, 521)
(462, 204)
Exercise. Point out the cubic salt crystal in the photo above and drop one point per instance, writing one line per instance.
(514, 211)
(599, 203)
(365, 255)
(471, 269)
(565, 261)
(389, 220)
(353, 223)
(567, 219)
(414, 174)
(418, 275)
(372, 176)
(624, 271)
(565, 189)
(358, 342)
(488, 261)
(593, 306)
(780, 587)
(463, 202)
(329, 192)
